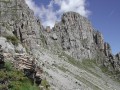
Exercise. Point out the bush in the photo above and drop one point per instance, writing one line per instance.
(8, 66)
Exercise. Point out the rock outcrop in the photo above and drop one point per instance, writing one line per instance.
(72, 39)
(16, 19)
(76, 36)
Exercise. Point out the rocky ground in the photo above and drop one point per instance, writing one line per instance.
(64, 74)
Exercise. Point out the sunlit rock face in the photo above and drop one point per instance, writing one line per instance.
(18, 20)
(72, 39)
(76, 36)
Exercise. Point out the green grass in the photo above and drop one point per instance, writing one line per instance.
(16, 80)
(13, 39)
(5, 1)
(45, 84)
(86, 64)
(114, 75)
(104, 69)
(62, 68)
(42, 38)
(70, 59)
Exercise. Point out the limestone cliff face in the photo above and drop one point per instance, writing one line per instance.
(16, 19)
(73, 35)
(76, 36)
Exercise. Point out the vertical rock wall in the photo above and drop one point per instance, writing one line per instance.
(16, 19)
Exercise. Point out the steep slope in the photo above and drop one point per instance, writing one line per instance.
(76, 55)
(73, 54)
(65, 73)
(12, 79)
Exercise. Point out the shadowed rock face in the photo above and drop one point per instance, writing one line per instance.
(2, 63)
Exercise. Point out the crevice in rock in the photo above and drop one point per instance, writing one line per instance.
(22, 26)
(21, 39)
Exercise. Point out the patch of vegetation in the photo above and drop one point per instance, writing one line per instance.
(114, 75)
(86, 64)
(12, 79)
(62, 68)
(84, 42)
(13, 39)
(106, 71)
(26, 48)
(89, 63)
(45, 84)
(42, 38)
(5, 1)
(70, 59)
(4, 24)
(56, 49)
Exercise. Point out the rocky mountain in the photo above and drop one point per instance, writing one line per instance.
(73, 55)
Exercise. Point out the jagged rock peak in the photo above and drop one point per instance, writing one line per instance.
(73, 17)
(18, 20)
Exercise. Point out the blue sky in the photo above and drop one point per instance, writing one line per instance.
(104, 15)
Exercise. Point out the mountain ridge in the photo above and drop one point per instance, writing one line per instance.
(69, 53)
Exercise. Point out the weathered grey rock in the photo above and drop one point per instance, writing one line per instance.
(48, 29)
(54, 36)
(6, 45)
(98, 39)
(21, 23)
(77, 37)
(73, 36)
(107, 49)
(118, 56)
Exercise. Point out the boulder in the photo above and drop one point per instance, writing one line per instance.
(38, 80)
(54, 36)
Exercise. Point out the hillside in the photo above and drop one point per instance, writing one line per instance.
(73, 54)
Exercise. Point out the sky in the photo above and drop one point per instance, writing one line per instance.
(103, 14)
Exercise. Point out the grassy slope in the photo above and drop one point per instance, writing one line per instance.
(15, 80)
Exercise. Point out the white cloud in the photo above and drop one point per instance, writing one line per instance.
(49, 15)
(33, 6)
